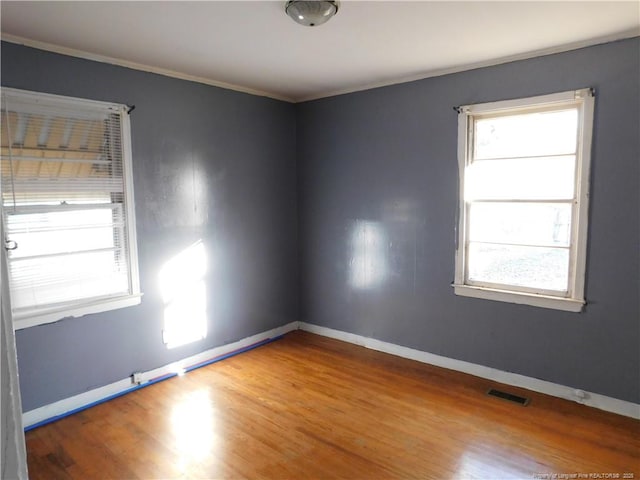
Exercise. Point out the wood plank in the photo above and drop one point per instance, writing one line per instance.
(56, 133)
(34, 127)
(9, 127)
(307, 406)
(78, 133)
(96, 136)
(59, 153)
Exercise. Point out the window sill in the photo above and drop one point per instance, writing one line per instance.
(32, 319)
(544, 301)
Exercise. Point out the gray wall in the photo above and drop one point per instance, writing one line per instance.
(381, 159)
(239, 150)
(388, 157)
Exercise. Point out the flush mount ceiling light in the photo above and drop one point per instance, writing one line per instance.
(311, 13)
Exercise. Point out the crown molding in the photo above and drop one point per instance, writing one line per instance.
(623, 35)
(72, 52)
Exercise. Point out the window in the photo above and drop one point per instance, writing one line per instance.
(524, 175)
(67, 206)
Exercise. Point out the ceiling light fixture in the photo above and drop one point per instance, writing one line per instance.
(311, 13)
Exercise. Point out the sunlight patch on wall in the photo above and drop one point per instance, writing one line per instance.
(185, 296)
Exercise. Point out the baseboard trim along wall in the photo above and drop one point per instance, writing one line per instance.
(54, 411)
(596, 400)
(60, 409)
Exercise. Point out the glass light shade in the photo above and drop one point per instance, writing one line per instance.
(311, 13)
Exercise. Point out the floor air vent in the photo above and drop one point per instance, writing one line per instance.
(510, 397)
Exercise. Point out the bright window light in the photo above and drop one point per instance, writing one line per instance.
(182, 283)
(64, 256)
(518, 159)
(524, 169)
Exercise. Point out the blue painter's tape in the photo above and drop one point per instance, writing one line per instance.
(232, 353)
(152, 382)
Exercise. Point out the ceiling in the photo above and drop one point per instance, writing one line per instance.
(253, 46)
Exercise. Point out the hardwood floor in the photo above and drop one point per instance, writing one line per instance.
(308, 407)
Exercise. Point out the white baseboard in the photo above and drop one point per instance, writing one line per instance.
(78, 402)
(595, 400)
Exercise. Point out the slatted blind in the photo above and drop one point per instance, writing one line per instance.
(64, 201)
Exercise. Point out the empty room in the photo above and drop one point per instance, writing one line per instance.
(320, 239)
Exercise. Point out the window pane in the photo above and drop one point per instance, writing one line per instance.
(532, 267)
(544, 224)
(51, 280)
(62, 231)
(522, 178)
(528, 135)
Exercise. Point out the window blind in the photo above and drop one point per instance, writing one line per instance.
(64, 202)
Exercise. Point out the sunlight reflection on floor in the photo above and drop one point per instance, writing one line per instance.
(193, 422)
(490, 465)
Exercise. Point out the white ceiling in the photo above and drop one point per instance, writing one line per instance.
(253, 46)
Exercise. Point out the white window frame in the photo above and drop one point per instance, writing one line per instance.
(574, 300)
(53, 313)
